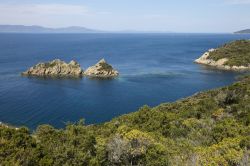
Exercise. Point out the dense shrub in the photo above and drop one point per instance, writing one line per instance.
(210, 128)
(237, 53)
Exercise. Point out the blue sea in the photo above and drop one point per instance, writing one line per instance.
(154, 68)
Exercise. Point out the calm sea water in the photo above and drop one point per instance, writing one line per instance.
(154, 68)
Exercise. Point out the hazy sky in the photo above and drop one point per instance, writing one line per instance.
(146, 15)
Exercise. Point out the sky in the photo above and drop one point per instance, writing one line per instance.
(208, 16)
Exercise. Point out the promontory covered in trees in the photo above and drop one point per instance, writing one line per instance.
(231, 56)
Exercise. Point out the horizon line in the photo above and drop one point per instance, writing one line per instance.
(109, 31)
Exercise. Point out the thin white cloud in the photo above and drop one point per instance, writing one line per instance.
(43, 9)
(53, 15)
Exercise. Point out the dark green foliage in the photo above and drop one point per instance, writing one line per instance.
(237, 52)
(245, 142)
(227, 128)
(47, 65)
(18, 147)
(209, 128)
(106, 67)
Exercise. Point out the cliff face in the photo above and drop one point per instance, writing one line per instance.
(101, 69)
(231, 56)
(55, 68)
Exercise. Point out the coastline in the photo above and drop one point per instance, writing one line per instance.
(187, 119)
(8, 126)
(204, 60)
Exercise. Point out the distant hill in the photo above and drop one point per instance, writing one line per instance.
(71, 29)
(40, 29)
(244, 31)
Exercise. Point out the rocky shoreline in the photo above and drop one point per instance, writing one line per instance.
(220, 64)
(8, 126)
(59, 68)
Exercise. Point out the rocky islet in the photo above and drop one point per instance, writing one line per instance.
(101, 69)
(59, 68)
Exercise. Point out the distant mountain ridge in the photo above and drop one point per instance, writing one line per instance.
(70, 29)
(244, 31)
(40, 29)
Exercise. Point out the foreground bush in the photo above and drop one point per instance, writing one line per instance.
(210, 128)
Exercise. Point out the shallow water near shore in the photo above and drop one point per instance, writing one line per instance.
(154, 68)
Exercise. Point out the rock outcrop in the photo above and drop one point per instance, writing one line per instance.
(220, 63)
(204, 59)
(55, 68)
(101, 69)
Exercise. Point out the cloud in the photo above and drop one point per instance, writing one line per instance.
(43, 9)
(53, 15)
(238, 2)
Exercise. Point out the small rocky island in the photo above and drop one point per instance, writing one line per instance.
(55, 68)
(59, 68)
(232, 56)
(101, 69)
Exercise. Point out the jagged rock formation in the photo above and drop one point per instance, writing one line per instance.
(55, 68)
(232, 56)
(101, 69)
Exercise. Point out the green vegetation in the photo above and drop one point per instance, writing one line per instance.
(50, 64)
(237, 53)
(210, 128)
(105, 67)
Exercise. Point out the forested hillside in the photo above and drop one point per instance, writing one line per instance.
(209, 128)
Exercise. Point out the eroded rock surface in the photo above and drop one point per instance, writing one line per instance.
(55, 68)
(101, 69)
